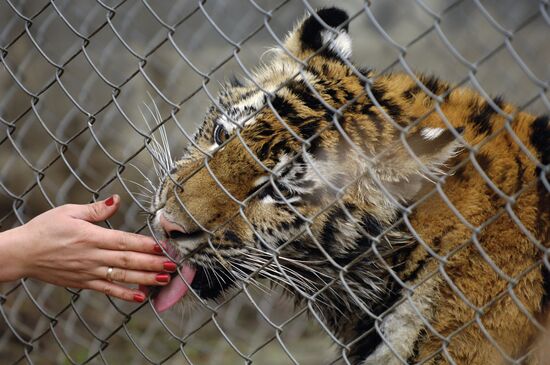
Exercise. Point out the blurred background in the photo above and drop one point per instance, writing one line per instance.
(74, 78)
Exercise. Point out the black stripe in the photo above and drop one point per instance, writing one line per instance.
(481, 119)
(540, 138)
(231, 236)
(264, 150)
(435, 245)
(349, 95)
(431, 83)
(266, 190)
(419, 266)
(329, 229)
(377, 121)
(308, 129)
(314, 147)
(225, 103)
(416, 347)
(365, 72)
(367, 344)
(484, 161)
(333, 93)
(437, 359)
(411, 92)
(520, 173)
(295, 222)
(435, 85)
(371, 225)
(378, 91)
(499, 101)
(545, 272)
(281, 147)
(263, 129)
(282, 106)
(460, 173)
(304, 94)
(391, 106)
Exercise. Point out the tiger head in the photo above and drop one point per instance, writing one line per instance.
(283, 180)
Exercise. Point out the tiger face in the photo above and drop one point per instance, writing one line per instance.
(283, 177)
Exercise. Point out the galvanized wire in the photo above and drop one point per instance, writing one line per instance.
(73, 78)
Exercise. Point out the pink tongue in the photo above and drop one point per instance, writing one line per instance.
(175, 290)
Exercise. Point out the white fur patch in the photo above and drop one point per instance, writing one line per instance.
(340, 43)
(431, 133)
(270, 200)
(249, 121)
(267, 200)
(230, 125)
(212, 147)
(240, 114)
(255, 101)
(156, 220)
(227, 125)
(402, 326)
(259, 181)
(283, 161)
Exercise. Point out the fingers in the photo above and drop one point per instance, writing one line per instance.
(136, 261)
(94, 212)
(134, 276)
(111, 239)
(117, 291)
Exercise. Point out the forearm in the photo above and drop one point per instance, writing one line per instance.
(11, 257)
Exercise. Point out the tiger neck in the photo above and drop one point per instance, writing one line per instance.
(349, 307)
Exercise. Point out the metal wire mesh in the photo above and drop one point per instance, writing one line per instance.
(73, 77)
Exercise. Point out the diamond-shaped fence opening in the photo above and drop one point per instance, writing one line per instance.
(82, 85)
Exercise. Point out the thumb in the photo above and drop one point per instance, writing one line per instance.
(98, 211)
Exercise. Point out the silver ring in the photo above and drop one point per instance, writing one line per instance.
(110, 273)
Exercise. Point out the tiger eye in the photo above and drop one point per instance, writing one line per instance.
(220, 134)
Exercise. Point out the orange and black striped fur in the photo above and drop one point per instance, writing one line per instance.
(415, 213)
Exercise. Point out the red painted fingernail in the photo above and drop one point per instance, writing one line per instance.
(157, 248)
(169, 266)
(139, 298)
(162, 278)
(110, 201)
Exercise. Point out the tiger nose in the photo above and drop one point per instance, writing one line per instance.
(170, 228)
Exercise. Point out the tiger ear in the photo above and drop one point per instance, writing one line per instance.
(405, 170)
(310, 35)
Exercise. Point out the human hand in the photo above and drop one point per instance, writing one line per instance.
(63, 247)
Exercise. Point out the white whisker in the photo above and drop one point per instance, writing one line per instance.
(144, 176)
(164, 148)
(138, 184)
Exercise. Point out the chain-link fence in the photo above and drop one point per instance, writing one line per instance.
(75, 78)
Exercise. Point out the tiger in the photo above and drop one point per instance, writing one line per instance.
(410, 215)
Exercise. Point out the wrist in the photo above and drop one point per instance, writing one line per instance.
(13, 259)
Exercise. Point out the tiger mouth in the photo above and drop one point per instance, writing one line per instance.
(206, 282)
(167, 296)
